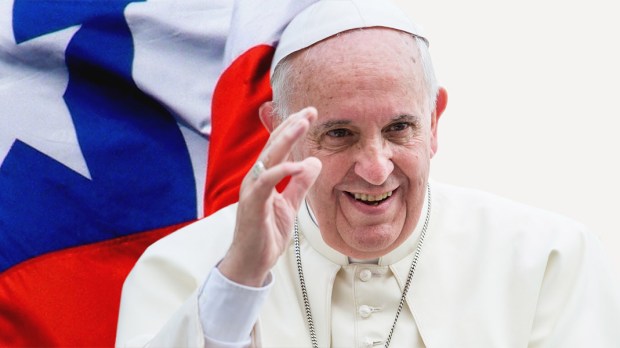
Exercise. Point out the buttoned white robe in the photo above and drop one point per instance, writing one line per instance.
(492, 273)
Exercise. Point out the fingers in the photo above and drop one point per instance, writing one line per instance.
(265, 183)
(306, 112)
(272, 165)
(286, 135)
(300, 183)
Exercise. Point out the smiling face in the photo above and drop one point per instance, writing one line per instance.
(374, 136)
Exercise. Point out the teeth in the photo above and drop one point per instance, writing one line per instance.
(371, 198)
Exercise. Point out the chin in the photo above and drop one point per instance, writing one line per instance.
(375, 242)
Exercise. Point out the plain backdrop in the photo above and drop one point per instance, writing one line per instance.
(533, 103)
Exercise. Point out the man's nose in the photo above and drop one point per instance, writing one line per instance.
(374, 162)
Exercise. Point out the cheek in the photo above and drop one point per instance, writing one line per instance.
(419, 148)
(329, 176)
(414, 162)
(333, 170)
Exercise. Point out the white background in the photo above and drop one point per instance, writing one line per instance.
(533, 103)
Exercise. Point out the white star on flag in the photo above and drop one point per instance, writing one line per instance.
(32, 83)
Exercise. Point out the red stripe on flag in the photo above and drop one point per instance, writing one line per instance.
(237, 134)
(70, 297)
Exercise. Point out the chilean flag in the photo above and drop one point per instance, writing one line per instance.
(120, 121)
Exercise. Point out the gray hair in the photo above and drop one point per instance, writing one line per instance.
(281, 79)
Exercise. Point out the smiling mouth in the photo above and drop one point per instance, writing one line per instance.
(370, 199)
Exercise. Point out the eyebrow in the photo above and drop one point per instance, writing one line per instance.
(331, 124)
(406, 117)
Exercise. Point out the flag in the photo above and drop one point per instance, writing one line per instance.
(120, 121)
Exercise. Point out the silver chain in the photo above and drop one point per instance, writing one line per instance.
(403, 298)
(302, 283)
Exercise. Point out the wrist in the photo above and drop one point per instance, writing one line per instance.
(243, 272)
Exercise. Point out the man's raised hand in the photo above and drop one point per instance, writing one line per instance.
(265, 217)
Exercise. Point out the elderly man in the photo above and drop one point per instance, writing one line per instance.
(360, 250)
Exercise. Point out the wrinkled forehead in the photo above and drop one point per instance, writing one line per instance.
(326, 18)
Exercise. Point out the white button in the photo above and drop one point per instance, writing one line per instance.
(365, 275)
(365, 311)
(367, 343)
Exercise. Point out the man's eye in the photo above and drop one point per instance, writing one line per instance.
(397, 127)
(338, 139)
(338, 133)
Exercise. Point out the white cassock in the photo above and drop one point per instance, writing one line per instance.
(491, 273)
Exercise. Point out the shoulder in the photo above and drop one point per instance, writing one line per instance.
(216, 228)
(481, 233)
(168, 274)
(193, 250)
(524, 271)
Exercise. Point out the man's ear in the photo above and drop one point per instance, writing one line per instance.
(265, 113)
(440, 106)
